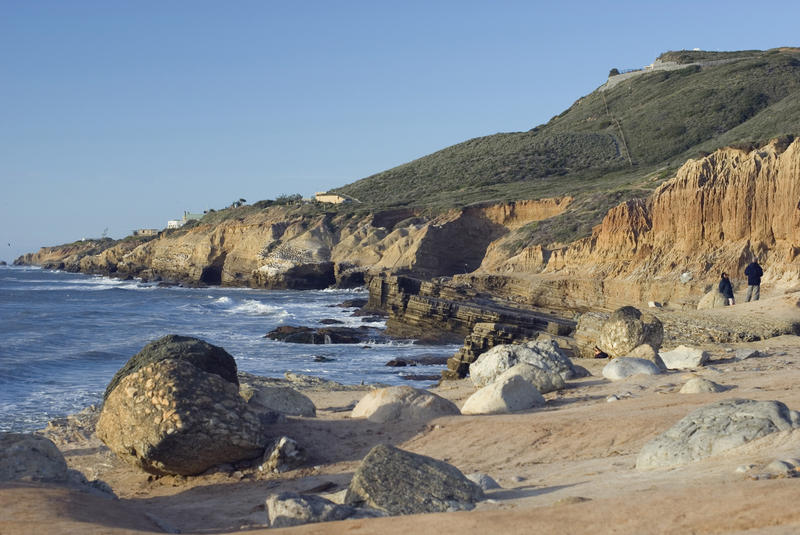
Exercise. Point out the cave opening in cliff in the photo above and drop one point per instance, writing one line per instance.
(211, 275)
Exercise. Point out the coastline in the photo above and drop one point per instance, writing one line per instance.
(567, 466)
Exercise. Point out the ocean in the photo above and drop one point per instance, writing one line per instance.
(64, 336)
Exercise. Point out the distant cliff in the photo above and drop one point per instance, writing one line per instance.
(278, 247)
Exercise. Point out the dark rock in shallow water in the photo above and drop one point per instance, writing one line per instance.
(326, 335)
(416, 377)
(430, 360)
(398, 363)
(353, 303)
(322, 358)
(372, 319)
(330, 321)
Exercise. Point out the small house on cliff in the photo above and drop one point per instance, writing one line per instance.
(145, 232)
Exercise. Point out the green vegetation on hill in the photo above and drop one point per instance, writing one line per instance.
(619, 142)
(658, 118)
(695, 56)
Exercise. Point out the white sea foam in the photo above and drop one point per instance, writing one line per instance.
(224, 300)
(254, 307)
(359, 290)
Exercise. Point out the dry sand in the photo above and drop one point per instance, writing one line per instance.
(566, 468)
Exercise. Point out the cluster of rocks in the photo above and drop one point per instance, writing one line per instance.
(177, 408)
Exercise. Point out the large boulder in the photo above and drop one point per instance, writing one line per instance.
(282, 399)
(27, 457)
(628, 327)
(623, 367)
(542, 354)
(716, 428)
(177, 410)
(511, 392)
(404, 483)
(684, 358)
(402, 403)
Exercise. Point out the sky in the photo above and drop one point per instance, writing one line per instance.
(117, 115)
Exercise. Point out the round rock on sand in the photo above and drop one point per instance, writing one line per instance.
(511, 392)
(684, 358)
(402, 403)
(623, 367)
(646, 352)
(701, 385)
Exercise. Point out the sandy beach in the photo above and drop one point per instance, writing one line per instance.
(566, 468)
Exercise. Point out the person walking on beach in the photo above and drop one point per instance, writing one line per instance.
(726, 288)
(754, 273)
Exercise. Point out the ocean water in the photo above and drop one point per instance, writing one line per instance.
(64, 336)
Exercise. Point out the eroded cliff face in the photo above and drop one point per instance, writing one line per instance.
(715, 215)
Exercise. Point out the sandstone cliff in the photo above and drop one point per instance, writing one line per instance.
(714, 215)
(283, 248)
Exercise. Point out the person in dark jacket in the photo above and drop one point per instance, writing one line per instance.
(726, 288)
(754, 273)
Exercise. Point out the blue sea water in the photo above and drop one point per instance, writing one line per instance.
(64, 336)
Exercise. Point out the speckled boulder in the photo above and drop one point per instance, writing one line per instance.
(170, 415)
(628, 327)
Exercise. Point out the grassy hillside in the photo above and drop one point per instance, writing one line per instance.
(624, 139)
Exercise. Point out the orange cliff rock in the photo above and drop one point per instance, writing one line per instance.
(714, 215)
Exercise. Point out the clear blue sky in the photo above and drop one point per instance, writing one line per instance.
(121, 115)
